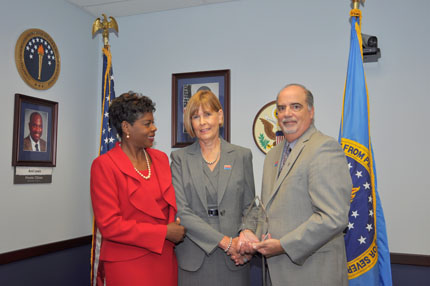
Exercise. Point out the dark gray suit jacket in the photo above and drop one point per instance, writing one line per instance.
(308, 207)
(235, 193)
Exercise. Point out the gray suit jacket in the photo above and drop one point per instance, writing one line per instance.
(308, 206)
(235, 193)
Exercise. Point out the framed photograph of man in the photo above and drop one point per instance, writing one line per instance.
(34, 132)
(184, 85)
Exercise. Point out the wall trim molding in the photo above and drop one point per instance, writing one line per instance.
(8, 257)
(410, 259)
(25, 253)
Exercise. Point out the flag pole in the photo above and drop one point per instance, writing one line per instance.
(356, 3)
(107, 135)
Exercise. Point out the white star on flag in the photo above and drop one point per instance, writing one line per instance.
(349, 165)
(350, 225)
(358, 174)
(366, 186)
(111, 140)
(106, 114)
(370, 199)
(369, 227)
(362, 240)
(371, 213)
(355, 214)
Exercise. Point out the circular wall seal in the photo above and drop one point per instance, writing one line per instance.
(265, 130)
(37, 59)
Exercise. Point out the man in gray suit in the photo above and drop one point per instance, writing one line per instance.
(306, 191)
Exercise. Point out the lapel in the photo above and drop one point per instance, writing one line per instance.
(272, 173)
(195, 166)
(160, 166)
(139, 199)
(292, 158)
(226, 162)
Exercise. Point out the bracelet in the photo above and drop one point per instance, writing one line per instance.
(229, 245)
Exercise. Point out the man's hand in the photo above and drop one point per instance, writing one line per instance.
(269, 247)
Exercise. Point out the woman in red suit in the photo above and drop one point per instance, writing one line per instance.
(134, 201)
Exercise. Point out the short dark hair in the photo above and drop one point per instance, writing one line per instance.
(34, 114)
(128, 107)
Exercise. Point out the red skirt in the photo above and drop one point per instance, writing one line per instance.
(147, 270)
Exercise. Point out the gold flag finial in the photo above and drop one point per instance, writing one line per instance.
(105, 26)
(356, 3)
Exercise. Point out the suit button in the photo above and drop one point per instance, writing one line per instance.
(222, 212)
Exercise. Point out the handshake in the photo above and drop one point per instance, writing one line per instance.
(242, 248)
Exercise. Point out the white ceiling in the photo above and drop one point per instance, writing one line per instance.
(118, 8)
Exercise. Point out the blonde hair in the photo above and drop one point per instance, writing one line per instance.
(204, 98)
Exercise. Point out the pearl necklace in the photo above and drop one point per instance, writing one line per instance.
(149, 168)
(210, 163)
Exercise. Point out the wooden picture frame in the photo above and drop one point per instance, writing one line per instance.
(184, 85)
(35, 123)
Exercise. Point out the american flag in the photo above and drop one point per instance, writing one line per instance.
(107, 142)
(107, 134)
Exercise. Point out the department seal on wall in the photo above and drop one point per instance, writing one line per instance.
(265, 130)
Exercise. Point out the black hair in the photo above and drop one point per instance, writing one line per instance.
(128, 107)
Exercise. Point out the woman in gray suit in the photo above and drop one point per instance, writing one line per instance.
(214, 185)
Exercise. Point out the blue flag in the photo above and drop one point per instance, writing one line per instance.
(107, 142)
(366, 239)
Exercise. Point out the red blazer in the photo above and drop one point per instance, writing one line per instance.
(130, 220)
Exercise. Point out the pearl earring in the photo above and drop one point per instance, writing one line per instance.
(128, 136)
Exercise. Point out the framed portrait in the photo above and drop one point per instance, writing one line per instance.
(34, 132)
(184, 85)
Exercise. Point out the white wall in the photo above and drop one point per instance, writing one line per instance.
(37, 214)
(265, 44)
